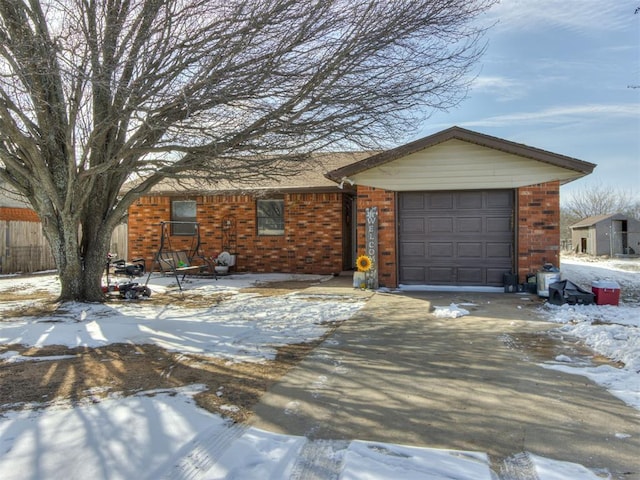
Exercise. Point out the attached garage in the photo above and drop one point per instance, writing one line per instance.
(455, 238)
(460, 208)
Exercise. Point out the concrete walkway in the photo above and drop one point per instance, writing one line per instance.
(396, 373)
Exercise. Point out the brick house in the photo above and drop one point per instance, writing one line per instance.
(300, 224)
(454, 208)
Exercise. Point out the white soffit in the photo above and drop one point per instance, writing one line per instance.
(460, 165)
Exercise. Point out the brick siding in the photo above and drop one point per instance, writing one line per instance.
(538, 227)
(312, 241)
(313, 238)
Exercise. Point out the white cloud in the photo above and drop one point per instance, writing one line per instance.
(560, 115)
(502, 88)
(576, 15)
(490, 83)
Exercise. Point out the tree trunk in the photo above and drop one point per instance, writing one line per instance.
(81, 282)
(80, 265)
(96, 237)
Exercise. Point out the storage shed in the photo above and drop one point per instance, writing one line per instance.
(613, 234)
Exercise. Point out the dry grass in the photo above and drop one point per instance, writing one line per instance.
(93, 373)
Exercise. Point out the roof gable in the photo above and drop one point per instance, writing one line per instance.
(457, 153)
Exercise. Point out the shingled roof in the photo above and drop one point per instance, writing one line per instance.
(591, 221)
(310, 178)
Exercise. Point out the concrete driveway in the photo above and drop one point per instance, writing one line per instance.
(396, 373)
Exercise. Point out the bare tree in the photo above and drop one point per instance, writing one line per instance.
(96, 92)
(600, 199)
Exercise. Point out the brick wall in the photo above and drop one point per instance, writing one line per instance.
(313, 239)
(312, 242)
(12, 214)
(387, 245)
(538, 227)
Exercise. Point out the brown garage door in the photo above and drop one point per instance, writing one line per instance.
(456, 238)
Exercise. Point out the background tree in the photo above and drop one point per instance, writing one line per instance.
(95, 93)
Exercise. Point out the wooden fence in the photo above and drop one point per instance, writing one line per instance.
(24, 249)
(119, 243)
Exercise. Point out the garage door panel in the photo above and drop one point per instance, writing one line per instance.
(413, 225)
(412, 201)
(499, 224)
(441, 250)
(413, 275)
(470, 250)
(469, 225)
(467, 237)
(470, 275)
(440, 225)
(499, 250)
(439, 275)
(469, 200)
(499, 199)
(439, 201)
(495, 276)
(412, 249)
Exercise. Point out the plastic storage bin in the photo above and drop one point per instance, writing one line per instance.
(606, 292)
(544, 279)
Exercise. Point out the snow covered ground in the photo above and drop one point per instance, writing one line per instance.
(163, 434)
(612, 331)
(244, 327)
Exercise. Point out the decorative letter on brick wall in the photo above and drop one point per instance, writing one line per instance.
(371, 249)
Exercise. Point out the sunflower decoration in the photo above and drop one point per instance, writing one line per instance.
(363, 263)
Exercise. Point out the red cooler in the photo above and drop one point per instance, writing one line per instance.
(606, 292)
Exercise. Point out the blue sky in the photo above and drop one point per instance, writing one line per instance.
(558, 75)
